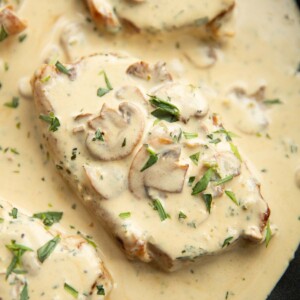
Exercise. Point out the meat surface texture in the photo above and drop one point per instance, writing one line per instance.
(149, 159)
(32, 249)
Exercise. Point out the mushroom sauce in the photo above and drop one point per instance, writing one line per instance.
(251, 80)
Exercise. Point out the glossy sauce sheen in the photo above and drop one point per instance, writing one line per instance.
(257, 55)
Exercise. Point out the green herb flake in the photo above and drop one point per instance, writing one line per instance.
(90, 241)
(49, 217)
(195, 158)
(71, 290)
(6, 66)
(125, 215)
(44, 252)
(232, 196)
(190, 135)
(191, 180)
(61, 68)
(14, 213)
(160, 209)
(1, 220)
(153, 158)
(164, 110)
(3, 34)
(52, 120)
(14, 151)
(181, 215)
(45, 79)
(229, 135)
(215, 141)
(235, 151)
(224, 180)
(124, 143)
(202, 184)
(14, 103)
(24, 293)
(272, 101)
(268, 234)
(227, 241)
(208, 200)
(74, 154)
(22, 37)
(100, 290)
(103, 91)
(98, 136)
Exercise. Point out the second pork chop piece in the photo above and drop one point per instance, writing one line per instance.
(150, 160)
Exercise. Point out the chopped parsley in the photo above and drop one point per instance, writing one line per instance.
(74, 154)
(24, 292)
(164, 110)
(229, 135)
(44, 252)
(195, 158)
(153, 158)
(124, 143)
(22, 37)
(224, 180)
(215, 141)
(103, 91)
(181, 215)
(208, 200)
(191, 180)
(71, 290)
(98, 136)
(14, 213)
(272, 101)
(52, 120)
(3, 34)
(49, 217)
(232, 196)
(14, 151)
(227, 241)
(61, 68)
(100, 290)
(235, 151)
(125, 215)
(160, 209)
(14, 103)
(17, 251)
(45, 79)
(190, 135)
(268, 234)
(202, 184)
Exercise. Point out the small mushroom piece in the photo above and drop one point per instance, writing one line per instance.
(166, 175)
(10, 22)
(103, 15)
(108, 181)
(188, 99)
(121, 132)
(157, 73)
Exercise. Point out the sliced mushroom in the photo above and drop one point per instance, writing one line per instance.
(108, 181)
(166, 175)
(188, 99)
(121, 131)
(157, 73)
(11, 23)
(104, 16)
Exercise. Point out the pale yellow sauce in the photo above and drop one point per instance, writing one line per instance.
(258, 54)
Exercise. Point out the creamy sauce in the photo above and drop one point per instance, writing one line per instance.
(256, 56)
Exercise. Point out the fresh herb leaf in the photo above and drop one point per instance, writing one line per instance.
(3, 34)
(100, 290)
(229, 135)
(232, 196)
(165, 110)
(272, 101)
(52, 120)
(71, 290)
(13, 104)
(125, 215)
(45, 79)
(190, 135)
(153, 158)
(24, 293)
(215, 141)
(90, 241)
(61, 68)
(160, 209)
(195, 158)
(49, 217)
(74, 154)
(103, 91)
(202, 184)
(224, 180)
(14, 151)
(14, 213)
(181, 215)
(268, 234)
(124, 143)
(22, 37)
(98, 136)
(227, 241)
(208, 200)
(44, 252)
(235, 151)
(191, 180)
